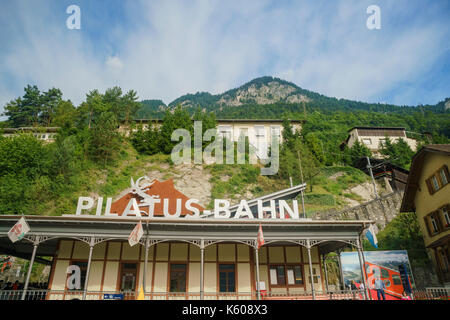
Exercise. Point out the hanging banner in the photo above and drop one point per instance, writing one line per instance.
(260, 237)
(136, 234)
(19, 230)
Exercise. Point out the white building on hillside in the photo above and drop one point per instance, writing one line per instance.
(374, 137)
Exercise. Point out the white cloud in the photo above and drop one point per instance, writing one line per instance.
(114, 63)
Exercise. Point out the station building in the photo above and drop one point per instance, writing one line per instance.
(183, 257)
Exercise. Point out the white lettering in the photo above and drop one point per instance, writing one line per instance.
(99, 206)
(166, 209)
(193, 209)
(221, 205)
(285, 206)
(84, 206)
(271, 208)
(132, 209)
(243, 210)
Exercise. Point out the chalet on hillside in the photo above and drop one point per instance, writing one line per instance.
(374, 137)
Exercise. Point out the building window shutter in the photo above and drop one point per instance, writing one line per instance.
(429, 185)
(427, 224)
(445, 168)
(437, 217)
(439, 179)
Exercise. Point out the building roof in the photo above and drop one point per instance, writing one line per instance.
(30, 129)
(258, 120)
(329, 235)
(415, 173)
(378, 128)
(230, 120)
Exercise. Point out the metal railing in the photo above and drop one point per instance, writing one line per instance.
(319, 295)
(425, 294)
(437, 293)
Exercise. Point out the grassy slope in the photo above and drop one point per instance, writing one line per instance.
(232, 182)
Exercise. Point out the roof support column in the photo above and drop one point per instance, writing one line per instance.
(202, 272)
(308, 247)
(258, 290)
(326, 271)
(144, 277)
(341, 272)
(363, 274)
(33, 255)
(86, 281)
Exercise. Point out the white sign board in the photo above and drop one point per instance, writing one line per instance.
(19, 230)
(262, 285)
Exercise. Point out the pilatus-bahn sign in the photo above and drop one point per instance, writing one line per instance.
(149, 199)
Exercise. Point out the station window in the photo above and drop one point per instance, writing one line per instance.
(178, 278)
(227, 278)
(294, 275)
(128, 277)
(290, 275)
(277, 275)
(367, 141)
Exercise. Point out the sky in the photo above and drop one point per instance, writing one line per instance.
(164, 49)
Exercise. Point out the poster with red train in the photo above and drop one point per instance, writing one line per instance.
(392, 267)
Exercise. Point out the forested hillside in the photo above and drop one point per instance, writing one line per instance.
(89, 153)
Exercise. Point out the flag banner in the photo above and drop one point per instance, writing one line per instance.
(372, 237)
(136, 234)
(19, 230)
(260, 237)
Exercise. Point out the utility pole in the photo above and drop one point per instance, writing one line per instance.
(304, 109)
(301, 174)
(369, 166)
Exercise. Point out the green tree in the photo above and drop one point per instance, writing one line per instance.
(146, 141)
(34, 108)
(179, 119)
(403, 233)
(104, 137)
(398, 153)
(24, 164)
(356, 152)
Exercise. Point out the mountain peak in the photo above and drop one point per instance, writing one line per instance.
(262, 90)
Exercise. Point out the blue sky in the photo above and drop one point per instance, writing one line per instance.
(164, 49)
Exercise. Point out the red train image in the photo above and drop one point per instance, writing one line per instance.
(391, 278)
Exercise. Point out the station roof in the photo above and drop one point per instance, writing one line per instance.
(332, 235)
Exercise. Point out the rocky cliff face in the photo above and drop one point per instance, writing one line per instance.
(264, 90)
(271, 92)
